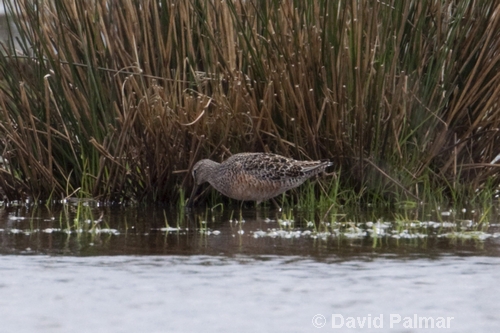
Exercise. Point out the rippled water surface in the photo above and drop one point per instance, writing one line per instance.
(79, 268)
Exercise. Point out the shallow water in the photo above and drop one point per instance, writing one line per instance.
(86, 268)
(242, 294)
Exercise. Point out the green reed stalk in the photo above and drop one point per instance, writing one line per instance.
(121, 99)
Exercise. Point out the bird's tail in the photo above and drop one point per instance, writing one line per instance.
(319, 167)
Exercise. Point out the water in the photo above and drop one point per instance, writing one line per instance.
(85, 268)
(241, 294)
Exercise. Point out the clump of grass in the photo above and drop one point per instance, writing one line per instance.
(117, 100)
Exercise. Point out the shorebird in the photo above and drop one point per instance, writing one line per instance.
(254, 176)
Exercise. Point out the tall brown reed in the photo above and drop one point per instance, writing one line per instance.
(118, 99)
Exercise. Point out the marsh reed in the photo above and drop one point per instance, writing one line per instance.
(118, 99)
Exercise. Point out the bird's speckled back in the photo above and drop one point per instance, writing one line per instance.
(256, 176)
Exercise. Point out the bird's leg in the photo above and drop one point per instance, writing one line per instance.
(276, 205)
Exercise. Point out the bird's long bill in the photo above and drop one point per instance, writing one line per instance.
(192, 196)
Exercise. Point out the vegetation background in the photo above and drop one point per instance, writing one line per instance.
(116, 100)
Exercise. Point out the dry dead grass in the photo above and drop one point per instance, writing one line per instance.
(118, 99)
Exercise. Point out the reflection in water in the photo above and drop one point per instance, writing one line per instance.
(261, 271)
(85, 229)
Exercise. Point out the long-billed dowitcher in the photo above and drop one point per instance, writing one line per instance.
(254, 176)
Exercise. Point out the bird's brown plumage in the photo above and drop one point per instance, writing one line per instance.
(255, 176)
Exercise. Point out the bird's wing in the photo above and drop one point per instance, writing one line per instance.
(276, 167)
